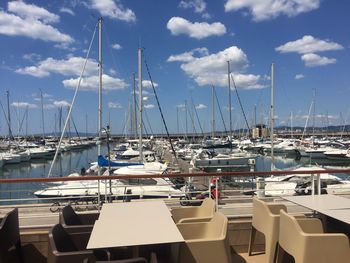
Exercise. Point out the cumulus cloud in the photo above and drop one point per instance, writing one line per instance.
(269, 9)
(31, 21)
(91, 83)
(211, 69)
(148, 84)
(149, 106)
(199, 6)
(308, 44)
(24, 105)
(113, 9)
(299, 76)
(188, 56)
(61, 103)
(314, 60)
(32, 12)
(201, 106)
(116, 46)
(198, 30)
(67, 11)
(114, 105)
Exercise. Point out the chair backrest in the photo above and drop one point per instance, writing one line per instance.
(217, 226)
(60, 240)
(290, 234)
(69, 216)
(9, 230)
(261, 216)
(207, 208)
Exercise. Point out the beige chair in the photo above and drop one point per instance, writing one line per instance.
(201, 213)
(305, 241)
(205, 242)
(266, 221)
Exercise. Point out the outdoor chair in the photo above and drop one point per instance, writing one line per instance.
(205, 242)
(305, 241)
(266, 221)
(201, 213)
(9, 235)
(81, 222)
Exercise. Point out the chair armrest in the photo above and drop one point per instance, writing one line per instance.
(130, 260)
(275, 208)
(192, 230)
(179, 213)
(310, 225)
(88, 218)
(336, 245)
(195, 219)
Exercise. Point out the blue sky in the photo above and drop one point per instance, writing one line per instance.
(186, 45)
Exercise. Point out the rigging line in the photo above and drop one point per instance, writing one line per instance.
(143, 123)
(240, 103)
(221, 115)
(148, 122)
(75, 128)
(191, 117)
(195, 110)
(21, 123)
(73, 100)
(7, 120)
(160, 110)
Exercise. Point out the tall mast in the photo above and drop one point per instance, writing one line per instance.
(134, 110)
(42, 113)
(9, 114)
(272, 112)
(100, 68)
(140, 101)
(213, 116)
(229, 97)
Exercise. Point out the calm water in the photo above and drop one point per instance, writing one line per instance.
(73, 161)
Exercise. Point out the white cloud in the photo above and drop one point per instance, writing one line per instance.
(149, 106)
(211, 69)
(179, 25)
(309, 44)
(269, 9)
(188, 56)
(201, 106)
(113, 10)
(114, 105)
(199, 6)
(314, 60)
(66, 67)
(24, 105)
(148, 84)
(31, 21)
(61, 103)
(299, 76)
(32, 12)
(32, 57)
(67, 11)
(116, 46)
(91, 83)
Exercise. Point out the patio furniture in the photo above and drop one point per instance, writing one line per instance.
(201, 213)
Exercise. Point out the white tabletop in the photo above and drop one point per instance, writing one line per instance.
(133, 224)
(320, 202)
(339, 214)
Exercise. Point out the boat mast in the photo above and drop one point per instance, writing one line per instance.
(99, 98)
(134, 110)
(42, 113)
(140, 101)
(272, 112)
(213, 116)
(229, 101)
(9, 114)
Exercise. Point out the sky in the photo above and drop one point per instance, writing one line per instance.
(187, 45)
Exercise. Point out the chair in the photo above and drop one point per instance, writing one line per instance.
(266, 221)
(306, 242)
(9, 235)
(81, 222)
(67, 248)
(201, 213)
(205, 241)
